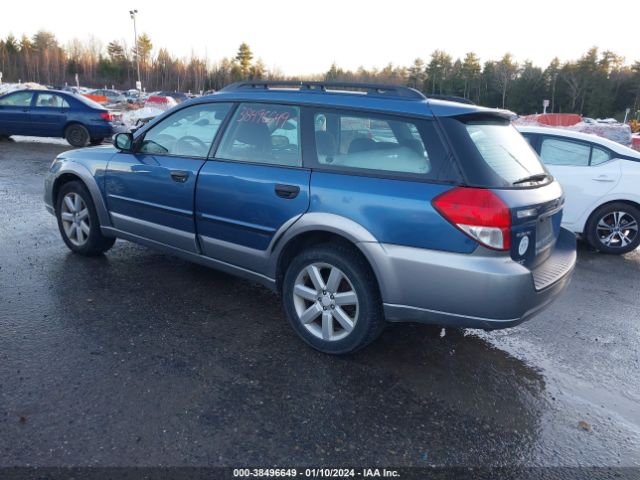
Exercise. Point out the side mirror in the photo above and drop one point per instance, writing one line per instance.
(123, 142)
(279, 141)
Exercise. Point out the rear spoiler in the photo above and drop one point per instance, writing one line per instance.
(487, 115)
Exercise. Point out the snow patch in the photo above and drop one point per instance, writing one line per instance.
(608, 128)
(131, 117)
(12, 87)
(50, 140)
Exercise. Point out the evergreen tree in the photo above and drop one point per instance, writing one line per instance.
(116, 52)
(244, 57)
(505, 72)
(143, 49)
(333, 74)
(438, 71)
(528, 89)
(417, 74)
(471, 71)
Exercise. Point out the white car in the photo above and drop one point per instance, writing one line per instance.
(601, 181)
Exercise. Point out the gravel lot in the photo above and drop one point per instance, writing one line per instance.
(139, 358)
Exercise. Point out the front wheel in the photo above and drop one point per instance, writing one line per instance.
(613, 228)
(77, 135)
(331, 299)
(78, 221)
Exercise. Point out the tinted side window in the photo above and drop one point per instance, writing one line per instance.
(554, 151)
(188, 132)
(20, 99)
(599, 155)
(380, 143)
(263, 133)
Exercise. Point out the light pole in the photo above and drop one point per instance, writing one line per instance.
(133, 14)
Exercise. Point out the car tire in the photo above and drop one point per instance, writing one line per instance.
(332, 300)
(96, 141)
(613, 228)
(77, 135)
(78, 221)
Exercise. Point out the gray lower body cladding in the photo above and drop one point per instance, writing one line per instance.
(473, 291)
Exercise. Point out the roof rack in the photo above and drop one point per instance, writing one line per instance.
(449, 98)
(374, 89)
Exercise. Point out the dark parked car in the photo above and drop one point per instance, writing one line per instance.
(53, 113)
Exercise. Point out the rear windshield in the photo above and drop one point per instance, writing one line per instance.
(493, 154)
(88, 101)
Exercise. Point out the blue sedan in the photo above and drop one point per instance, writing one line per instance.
(53, 113)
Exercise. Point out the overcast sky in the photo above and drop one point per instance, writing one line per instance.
(306, 36)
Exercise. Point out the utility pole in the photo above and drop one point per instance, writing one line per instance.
(133, 14)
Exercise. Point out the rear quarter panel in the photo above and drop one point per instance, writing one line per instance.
(393, 211)
(627, 189)
(90, 118)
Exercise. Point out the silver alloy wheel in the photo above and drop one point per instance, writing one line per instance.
(617, 229)
(75, 219)
(325, 301)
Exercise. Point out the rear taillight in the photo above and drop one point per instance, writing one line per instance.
(479, 213)
(106, 116)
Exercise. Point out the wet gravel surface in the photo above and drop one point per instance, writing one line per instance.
(139, 358)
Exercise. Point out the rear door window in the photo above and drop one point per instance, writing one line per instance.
(556, 151)
(51, 100)
(368, 142)
(263, 133)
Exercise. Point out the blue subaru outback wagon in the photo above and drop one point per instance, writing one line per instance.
(360, 204)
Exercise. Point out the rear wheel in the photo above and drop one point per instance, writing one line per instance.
(77, 135)
(331, 299)
(613, 228)
(78, 221)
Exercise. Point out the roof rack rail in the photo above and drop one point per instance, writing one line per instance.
(449, 98)
(375, 89)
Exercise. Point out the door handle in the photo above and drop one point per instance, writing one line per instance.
(179, 176)
(287, 191)
(604, 178)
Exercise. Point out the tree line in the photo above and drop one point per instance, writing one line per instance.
(598, 84)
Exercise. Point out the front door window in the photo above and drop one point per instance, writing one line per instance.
(188, 132)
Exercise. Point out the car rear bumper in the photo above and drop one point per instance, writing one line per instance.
(105, 129)
(482, 290)
(119, 127)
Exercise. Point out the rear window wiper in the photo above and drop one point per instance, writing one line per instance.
(538, 177)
